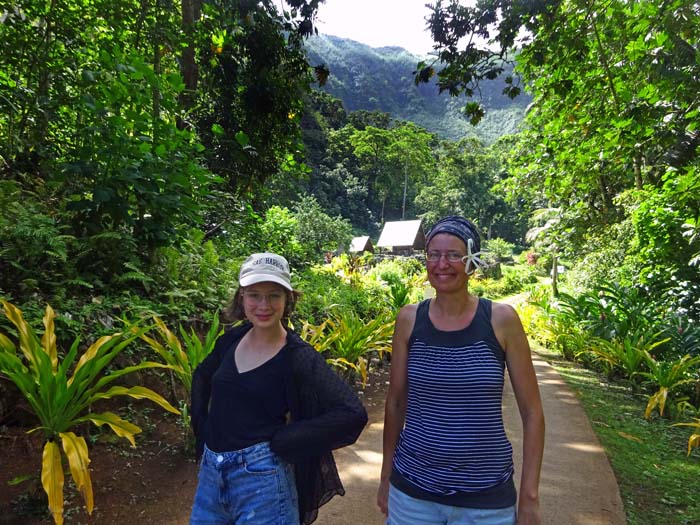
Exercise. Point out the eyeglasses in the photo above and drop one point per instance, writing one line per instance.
(452, 257)
(273, 298)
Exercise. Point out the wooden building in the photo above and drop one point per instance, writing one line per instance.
(402, 237)
(361, 245)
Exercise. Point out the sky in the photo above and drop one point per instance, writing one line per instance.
(378, 23)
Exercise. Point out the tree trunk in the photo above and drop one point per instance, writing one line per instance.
(636, 163)
(191, 11)
(405, 186)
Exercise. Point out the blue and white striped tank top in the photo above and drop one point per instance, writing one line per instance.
(453, 448)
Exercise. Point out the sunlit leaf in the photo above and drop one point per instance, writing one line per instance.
(137, 392)
(76, 451)
(119, 426)
(48, 340)
(52, 479)
(629, 437)
(91, 352)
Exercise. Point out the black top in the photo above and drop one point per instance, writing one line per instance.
(325, 414)
(246, 408)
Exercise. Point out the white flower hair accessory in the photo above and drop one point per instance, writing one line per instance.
(471, 260)
(465, 230)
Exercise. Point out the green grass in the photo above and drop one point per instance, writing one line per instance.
(659, 483)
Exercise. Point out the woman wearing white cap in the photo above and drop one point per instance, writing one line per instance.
(267, 411)
(447, 459)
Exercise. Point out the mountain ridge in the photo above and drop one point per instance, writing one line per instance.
(382, 79)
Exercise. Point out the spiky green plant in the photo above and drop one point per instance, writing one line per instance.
(667, 376)
(626, 355)
(347, 340)
(694, 439)
(62, 393)
(183, 356)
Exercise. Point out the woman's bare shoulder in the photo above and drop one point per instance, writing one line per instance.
(503, 312)
(505, 319)
(407, 311)
(405, 319)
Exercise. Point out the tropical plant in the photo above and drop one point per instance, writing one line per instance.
(626, 354)
(499, 248)
(533, 319)
(694, 439)
(314, 334)
(668, 376)
(182, 359)
(399, 294)
(685, 336)
(584, 308)
(610, 311)
(540, 318)
(199, 270)
(326, 289)
(348, 340)
(400, 289)
(571, 340)
(547, 235)
(349, 267)
(62, 393)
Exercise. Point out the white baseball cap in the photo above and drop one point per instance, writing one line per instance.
(265, 267)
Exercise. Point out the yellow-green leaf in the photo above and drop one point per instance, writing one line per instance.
(363, 370)
(27, 339)
(19, 479)
(7, 345)
(657, 399)
(119, 426)
(170, 338)
(138, 392)
(48, 341)
(342, 362)
(77, 452)
(629, 436)
(91, 352)
(52, 480)
(159, 348)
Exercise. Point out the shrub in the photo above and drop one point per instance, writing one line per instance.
(62, 394)
(324, 291)
(501, 249)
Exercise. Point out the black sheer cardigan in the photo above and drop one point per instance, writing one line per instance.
(326, 414)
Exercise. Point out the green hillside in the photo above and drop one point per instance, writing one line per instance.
(382, 79)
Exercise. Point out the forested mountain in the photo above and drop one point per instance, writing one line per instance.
(382, 79)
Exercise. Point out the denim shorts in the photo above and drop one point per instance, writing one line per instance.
(406, 510)
(251, 486)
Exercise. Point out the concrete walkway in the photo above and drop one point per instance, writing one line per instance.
(577, 486)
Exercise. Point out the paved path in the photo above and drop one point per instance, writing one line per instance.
(577, 487)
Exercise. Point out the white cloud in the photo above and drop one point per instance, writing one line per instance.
(378, 23)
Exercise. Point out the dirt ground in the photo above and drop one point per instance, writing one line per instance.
(154, 483)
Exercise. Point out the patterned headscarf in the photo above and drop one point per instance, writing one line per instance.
(464, 230)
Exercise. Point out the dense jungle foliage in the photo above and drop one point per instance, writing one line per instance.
(146, 148)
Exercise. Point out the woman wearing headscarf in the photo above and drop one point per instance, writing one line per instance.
(447, 459)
